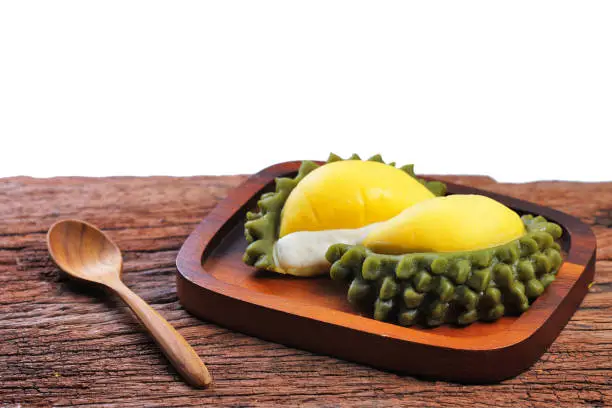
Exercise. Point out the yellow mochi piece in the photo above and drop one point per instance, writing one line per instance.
(349, 194)
(447, 224)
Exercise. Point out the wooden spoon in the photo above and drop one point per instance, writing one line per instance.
(85, 252)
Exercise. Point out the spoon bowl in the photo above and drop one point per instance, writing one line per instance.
(84, 252)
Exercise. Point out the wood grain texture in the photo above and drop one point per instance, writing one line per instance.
(65, 343)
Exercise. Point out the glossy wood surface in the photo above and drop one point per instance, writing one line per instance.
(313, 314)
(85, 252)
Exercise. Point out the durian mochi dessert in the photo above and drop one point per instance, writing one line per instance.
(410, 254)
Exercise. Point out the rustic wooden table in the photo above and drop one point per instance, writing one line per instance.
(65, 343)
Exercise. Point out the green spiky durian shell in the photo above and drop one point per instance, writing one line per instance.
(459, 288)
(261, 227)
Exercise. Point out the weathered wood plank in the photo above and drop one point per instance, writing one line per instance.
(66, 343)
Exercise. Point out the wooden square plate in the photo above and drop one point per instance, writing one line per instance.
(312, 313)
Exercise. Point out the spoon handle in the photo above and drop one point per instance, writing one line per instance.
(174, 346)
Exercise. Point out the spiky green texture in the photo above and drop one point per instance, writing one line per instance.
(261, 227)
(459, 287)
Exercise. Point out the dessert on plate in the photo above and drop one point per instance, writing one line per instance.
(409, 253)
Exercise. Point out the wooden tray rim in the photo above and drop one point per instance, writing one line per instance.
(210, 231)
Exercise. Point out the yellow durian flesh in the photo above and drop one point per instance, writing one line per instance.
(447, 224)
(349, 194)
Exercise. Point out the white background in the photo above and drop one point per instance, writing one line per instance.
(518, 90)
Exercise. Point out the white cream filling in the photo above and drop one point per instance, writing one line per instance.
(302, 253)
